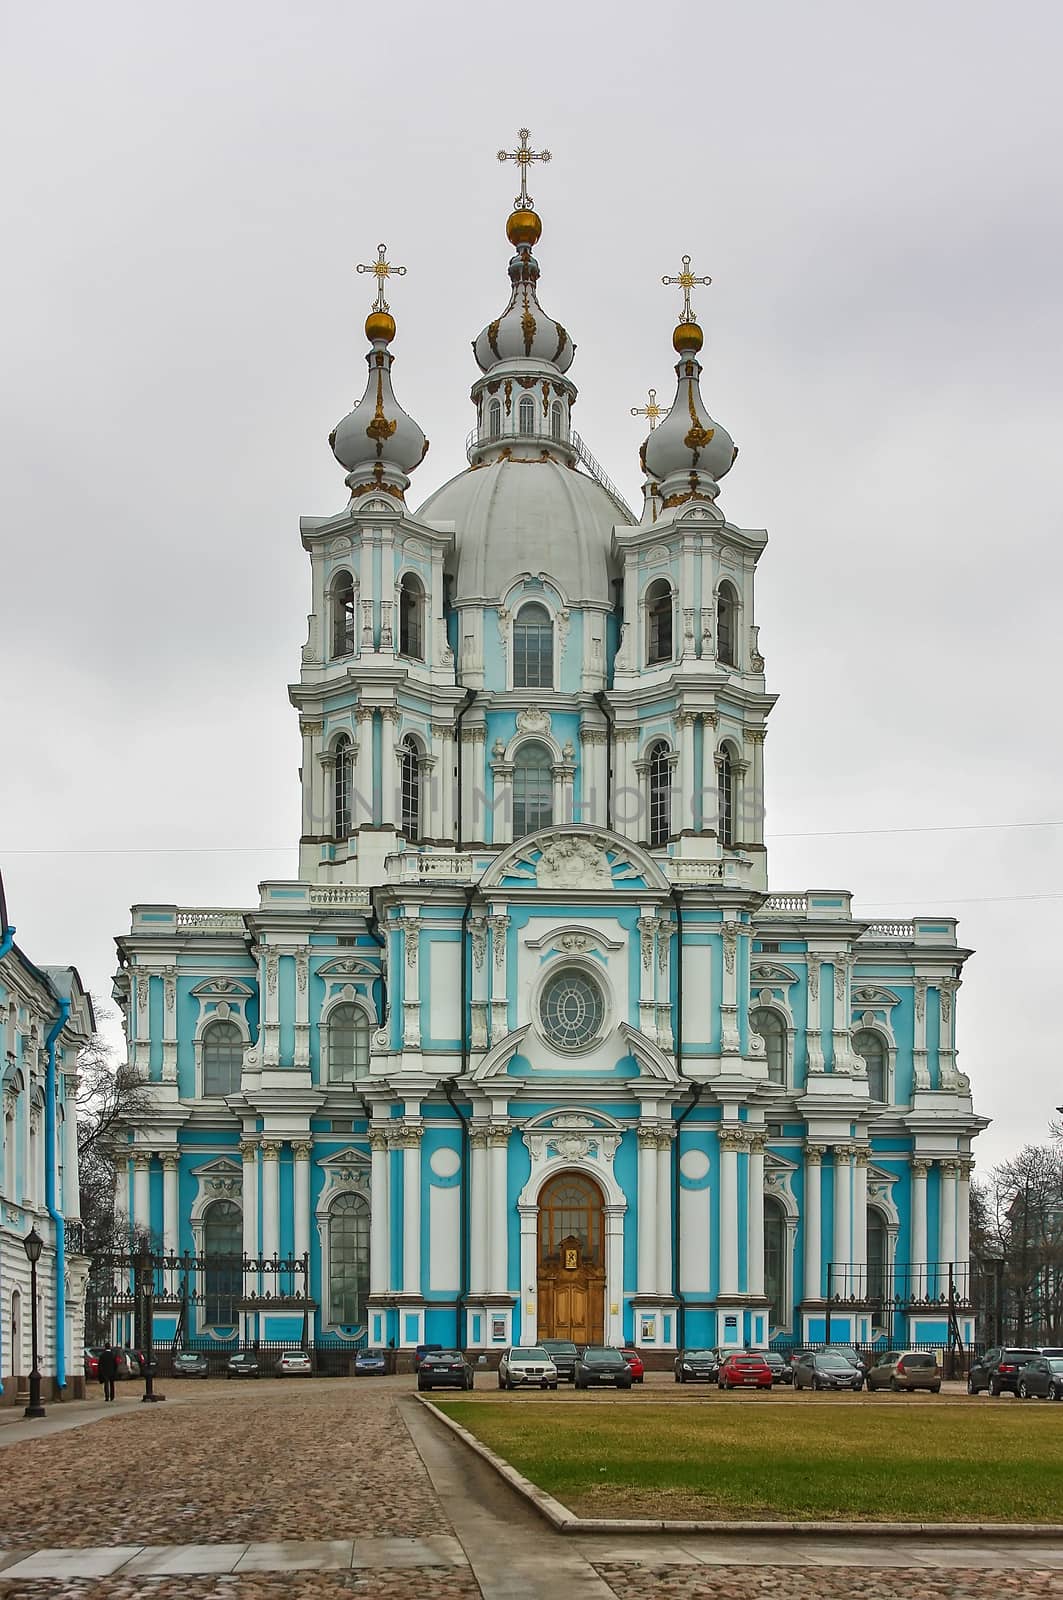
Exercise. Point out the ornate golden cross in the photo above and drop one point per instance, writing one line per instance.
(686, 281)
(384, 270)
(523, 157)
(652, 410)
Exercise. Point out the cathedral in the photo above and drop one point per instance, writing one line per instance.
(529, 1048)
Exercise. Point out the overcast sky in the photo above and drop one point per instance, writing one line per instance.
(875, 192)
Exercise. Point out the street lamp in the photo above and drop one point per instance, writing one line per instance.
(33, 1244)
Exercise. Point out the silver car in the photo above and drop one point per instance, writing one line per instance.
(526, 1366)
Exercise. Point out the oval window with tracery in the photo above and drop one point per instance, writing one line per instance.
(572, 1009)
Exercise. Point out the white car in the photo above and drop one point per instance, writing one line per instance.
(526, 1364)
(295, 1364)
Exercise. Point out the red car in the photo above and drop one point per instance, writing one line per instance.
(634, 1361)
(745, 1372)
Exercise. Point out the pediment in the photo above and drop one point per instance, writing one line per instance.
(349, 967)
(219, 1167)
(575, 859)
(653, 1062)
(868, 996)
(349, 1156)
(767, 972)
(223, 988)
(778, 1166)
(495, 1063)
(572, 938)
(573, 1119)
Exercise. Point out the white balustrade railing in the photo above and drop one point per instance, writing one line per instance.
(889, 930)
(344, 896)
(782, 905)
(206, 920)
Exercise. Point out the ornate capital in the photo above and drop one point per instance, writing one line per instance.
(142, 1160)
(813, 1155)
(363, 713)
(378, 1138)
(498, 1135)
(478, 1139)
(302, 1150)
(950, 1169)
(271, 1150)
(249, 1149)
(407, 1135)
(733, 1138)
(170, 1160)
(920, 1168)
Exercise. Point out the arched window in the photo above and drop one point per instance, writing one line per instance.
(658, 622)
(533, 785)
(410, 785)
(877, 1254)
(494, 419)
(341, 787)
(526, 415)
(533, 648)
(348, 1043)
(772, 1030)
(727, 796)
(660, 796)
(873, 1049)
(342, 605)
(223, 1051)
(727, 625)
(570, 1208)
(348, 1260)
(223, 1273)
(411, 618)
(557, 421)
(775, 1262)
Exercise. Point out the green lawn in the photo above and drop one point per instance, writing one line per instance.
(1000, 1463)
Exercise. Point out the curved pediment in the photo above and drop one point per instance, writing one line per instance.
(574, 859)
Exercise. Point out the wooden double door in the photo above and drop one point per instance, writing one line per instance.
(571, 1274)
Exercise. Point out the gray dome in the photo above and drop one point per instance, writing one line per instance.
(513, 516)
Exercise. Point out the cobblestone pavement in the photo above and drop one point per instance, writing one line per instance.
(821, 1583)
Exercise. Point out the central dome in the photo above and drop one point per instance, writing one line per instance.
(513, 515)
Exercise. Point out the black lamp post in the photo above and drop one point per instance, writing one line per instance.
(33, 1244)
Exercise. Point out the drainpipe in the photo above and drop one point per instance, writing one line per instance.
(449, 1085)
(699, 1089)
(610, 723)
(470, 696)
(49, 1196)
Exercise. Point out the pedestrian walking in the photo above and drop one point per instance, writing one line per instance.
(107, 1371)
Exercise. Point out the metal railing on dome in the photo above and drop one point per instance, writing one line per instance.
(583, 455)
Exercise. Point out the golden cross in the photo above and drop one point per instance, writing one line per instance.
(384, 270)
(523, 156)
(652, 410)
(686, 281)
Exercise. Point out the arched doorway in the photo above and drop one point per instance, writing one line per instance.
(571, 1271)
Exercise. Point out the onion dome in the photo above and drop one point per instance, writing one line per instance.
(688, 447)
(524, 331)
(378, 443)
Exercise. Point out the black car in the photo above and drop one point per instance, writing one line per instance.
(998, 1370)
(780, 1368)
(826, 1369)
(445, 1369)
(564, 1355)
(696, 1366)
(242, 1365)
(189, 1364)
(851, 1354)
(1042, 1379)
(600, 1364)
(423, 1350)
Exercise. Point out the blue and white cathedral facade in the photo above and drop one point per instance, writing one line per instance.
(529, 1048)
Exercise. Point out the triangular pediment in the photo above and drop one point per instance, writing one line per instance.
(349, 1156)
(219, 1167)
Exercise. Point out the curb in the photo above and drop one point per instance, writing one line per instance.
(562, 1520)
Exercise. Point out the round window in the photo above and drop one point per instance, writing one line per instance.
(572, 1009)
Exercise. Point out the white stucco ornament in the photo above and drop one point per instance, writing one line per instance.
(573, 863)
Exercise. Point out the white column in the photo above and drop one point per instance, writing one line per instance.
(501, 796)
(529, 1260)
(664, 1211)
(755, 1212)
(365, 590)
(683, 803)
(592, 775)
(301, 1198)
(843, 1199)
(963, 1228)
(614, 1273)
(249, 1207)
(478, 1212)
(473, 780)
(389, 766)
(918, 1249)
(628, 804)
(271, 1198)
(412, 1134)
(647, 1201)
(731, 1139)
(362, 798)
(443, 782)
(499, 925)
(141, 1191)
(71, 1184)
(859, 1285)
(379, 1231)
(169, 1025)
(813, 1212)
(170, 1215)
(498, 1152)
(950, 1172)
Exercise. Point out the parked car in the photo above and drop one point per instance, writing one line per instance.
(826, 1369)
(92, 1362)
(1051, 1350)
(370, 1363)
(131, 1363)
(564, 1355)
(798, 1353)
(905, 1369)
(854, 1357)
(190, 1364)
(744, 1370)
(294, 1364)
(1042, 1379)
(528, 1365)
(780, 1367)
(602, 1364)
(446, 1369)
(420, 1353)
(998, 1370)
(635, 1364)
(242, 1365)
(693, 1366)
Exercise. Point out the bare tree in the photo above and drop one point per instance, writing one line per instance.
(111, 1097)
(1017, 1224)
